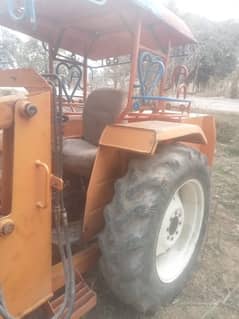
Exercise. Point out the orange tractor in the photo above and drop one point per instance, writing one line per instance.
(105, 175)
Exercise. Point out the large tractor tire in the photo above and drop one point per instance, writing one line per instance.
(155, 227)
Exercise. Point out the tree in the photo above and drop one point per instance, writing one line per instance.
(34, 56)
(216, 53)
(27, 54)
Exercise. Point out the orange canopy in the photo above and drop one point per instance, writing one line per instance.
(101, 31)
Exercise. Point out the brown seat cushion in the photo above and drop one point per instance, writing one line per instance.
(78, 156)
(103, 107)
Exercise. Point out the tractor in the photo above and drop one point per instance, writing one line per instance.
(108, 175)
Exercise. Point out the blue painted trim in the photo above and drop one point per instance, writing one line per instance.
(160, 98)
(158, 72)
(29, 11)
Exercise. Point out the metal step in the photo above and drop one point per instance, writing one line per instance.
(85, 299)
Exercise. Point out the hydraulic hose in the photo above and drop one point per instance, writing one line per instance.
(60, 214)
(64, 219)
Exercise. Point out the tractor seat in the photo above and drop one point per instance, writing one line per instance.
(102, 108)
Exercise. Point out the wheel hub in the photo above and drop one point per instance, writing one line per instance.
(175, 223)
(173, 226)
(180, 230)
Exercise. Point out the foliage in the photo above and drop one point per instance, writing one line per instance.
(34, 56)
(27, 54)
(217, 50)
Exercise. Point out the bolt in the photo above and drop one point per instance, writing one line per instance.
(6, 228)
(65, 118)
(30, 110)
(177, 232)
(168, 237)
(172, 238)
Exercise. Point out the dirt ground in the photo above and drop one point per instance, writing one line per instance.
(215, 103)
(213, 292)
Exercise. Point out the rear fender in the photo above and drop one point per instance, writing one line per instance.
(120, 143)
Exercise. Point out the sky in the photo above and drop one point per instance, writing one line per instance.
(216, 10)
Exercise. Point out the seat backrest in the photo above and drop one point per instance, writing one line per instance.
(102, 108)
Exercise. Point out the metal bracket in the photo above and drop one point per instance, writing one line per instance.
(56, 183)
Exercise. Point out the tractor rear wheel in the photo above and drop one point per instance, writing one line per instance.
(155, 226)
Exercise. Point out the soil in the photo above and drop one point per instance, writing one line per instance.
(219, 104)
(213, 292)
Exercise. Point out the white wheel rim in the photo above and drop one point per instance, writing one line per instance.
(180, 231)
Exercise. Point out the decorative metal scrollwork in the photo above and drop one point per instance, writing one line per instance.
(114, 61)
(151, 70)
(71, 76)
